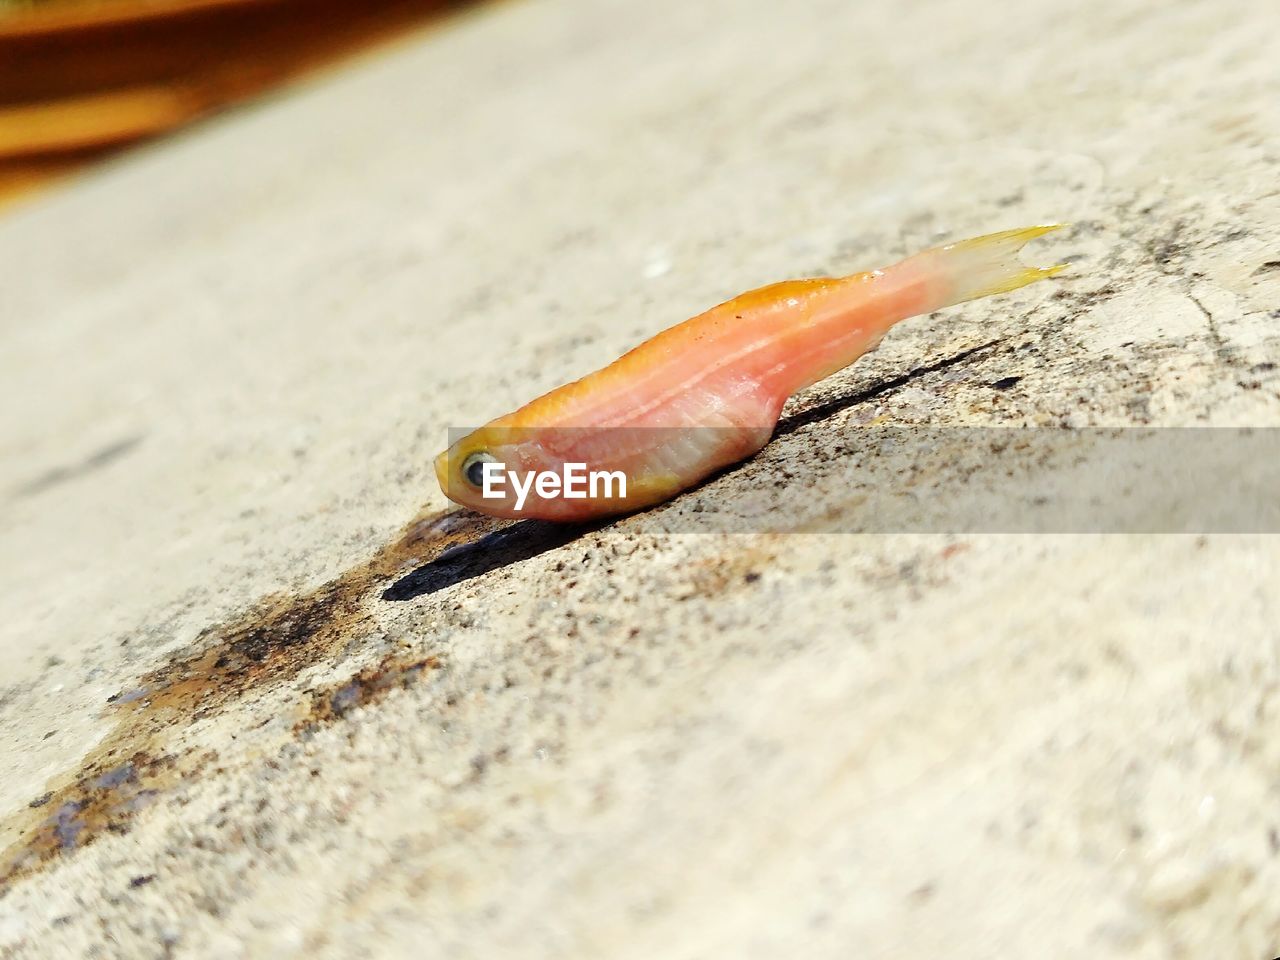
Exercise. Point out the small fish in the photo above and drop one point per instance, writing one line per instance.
(707, 392)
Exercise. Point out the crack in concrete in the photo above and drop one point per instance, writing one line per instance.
(1164, 251)
(1221, 348)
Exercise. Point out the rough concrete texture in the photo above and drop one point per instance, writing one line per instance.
(228, 360)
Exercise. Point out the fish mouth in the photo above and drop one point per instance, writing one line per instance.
(442, 473)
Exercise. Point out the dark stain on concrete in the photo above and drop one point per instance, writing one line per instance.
(366, 687)
(143, 757)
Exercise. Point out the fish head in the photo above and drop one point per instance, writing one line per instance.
(493, 470)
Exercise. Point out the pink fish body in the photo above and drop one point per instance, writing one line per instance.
(707, 392)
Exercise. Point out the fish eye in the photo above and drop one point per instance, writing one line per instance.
(473, 467)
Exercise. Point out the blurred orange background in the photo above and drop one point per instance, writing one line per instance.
(81, 80)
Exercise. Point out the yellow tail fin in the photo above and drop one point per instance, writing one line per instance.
(986, 265)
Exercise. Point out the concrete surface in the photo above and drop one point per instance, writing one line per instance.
(228, 360)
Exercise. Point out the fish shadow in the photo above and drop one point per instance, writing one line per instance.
(827, 410)
(516, 543)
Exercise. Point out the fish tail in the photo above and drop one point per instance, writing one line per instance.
(986, 265)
